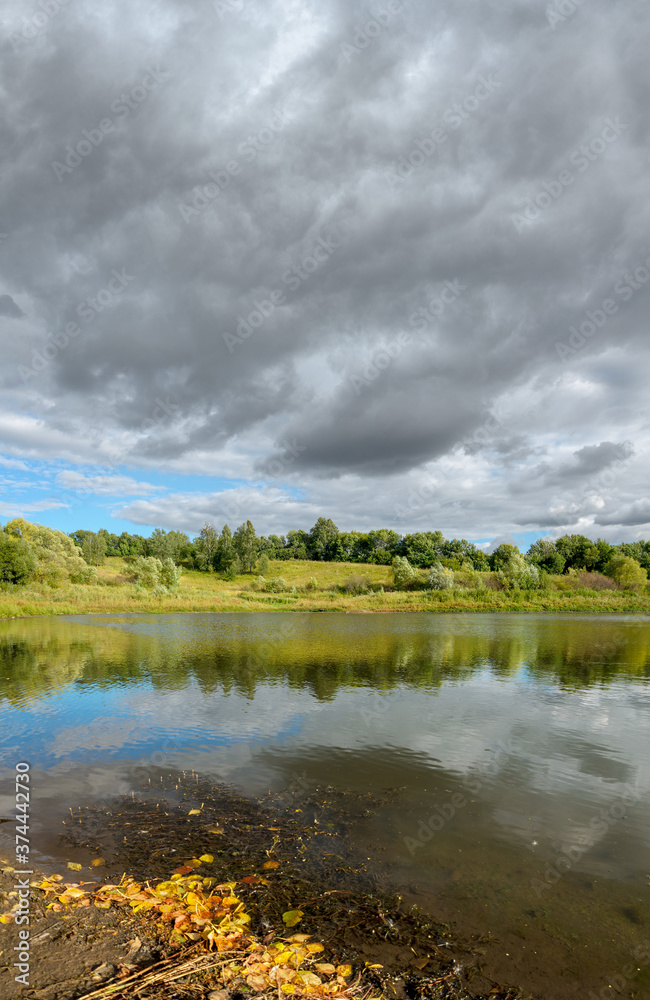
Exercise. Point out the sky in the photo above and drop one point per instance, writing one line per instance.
(383, 262)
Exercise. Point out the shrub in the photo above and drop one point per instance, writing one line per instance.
(170, 575)
(403, 573)
(18, 560)
(627, 572)
(146, 571)
(518, 574)
(59, 559)
(356, 584)
(596, 581)
(276, 586)
(233, 569)
(312, 584)
(440, 578)
(261, 582)
(263, 564)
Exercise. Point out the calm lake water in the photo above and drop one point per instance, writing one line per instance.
(517, 749)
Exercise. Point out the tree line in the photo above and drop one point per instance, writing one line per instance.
(32, 551)
(227, 551)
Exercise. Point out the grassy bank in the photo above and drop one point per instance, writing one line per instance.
(312, 586)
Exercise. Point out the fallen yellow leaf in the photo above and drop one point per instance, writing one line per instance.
(194, 812)
(344, 970)
(309, 978)
(74, 867)
(98, 862)
(207, 859)
(271, 864)
(292, 917)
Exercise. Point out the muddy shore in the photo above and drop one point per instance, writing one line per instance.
(299, 848)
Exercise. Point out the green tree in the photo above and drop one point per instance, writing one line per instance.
(297, 544)
(207, 543)
(245, 542)
(422, 548)
(626, 572)
(225, 553)
(323, 539)
(545, 556)
(579, 551)
(94, 548)
(59, 559)
(502, 554)
(18, 560)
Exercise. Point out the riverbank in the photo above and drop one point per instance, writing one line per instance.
(319, 587)
(296, 912)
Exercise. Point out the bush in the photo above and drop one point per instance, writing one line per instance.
(261, 582)
(596, 581)
(440, 578)
(518, 574)
(276, 586)
(263, 564)
(170, 575)
(356, 584)
(312, 584)
(59, 559)
(146, 572)
(18, 560)
(404, 575)
(627, 572)
(233, 569)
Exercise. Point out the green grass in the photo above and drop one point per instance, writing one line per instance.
(209, 592)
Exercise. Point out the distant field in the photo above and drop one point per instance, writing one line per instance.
(209, 592)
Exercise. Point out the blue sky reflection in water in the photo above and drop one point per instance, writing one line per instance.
(519, 745)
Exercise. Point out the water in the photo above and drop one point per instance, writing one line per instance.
(517, 748)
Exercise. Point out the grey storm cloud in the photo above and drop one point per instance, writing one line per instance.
(364, 228)
(10, 308)
(636, 514)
